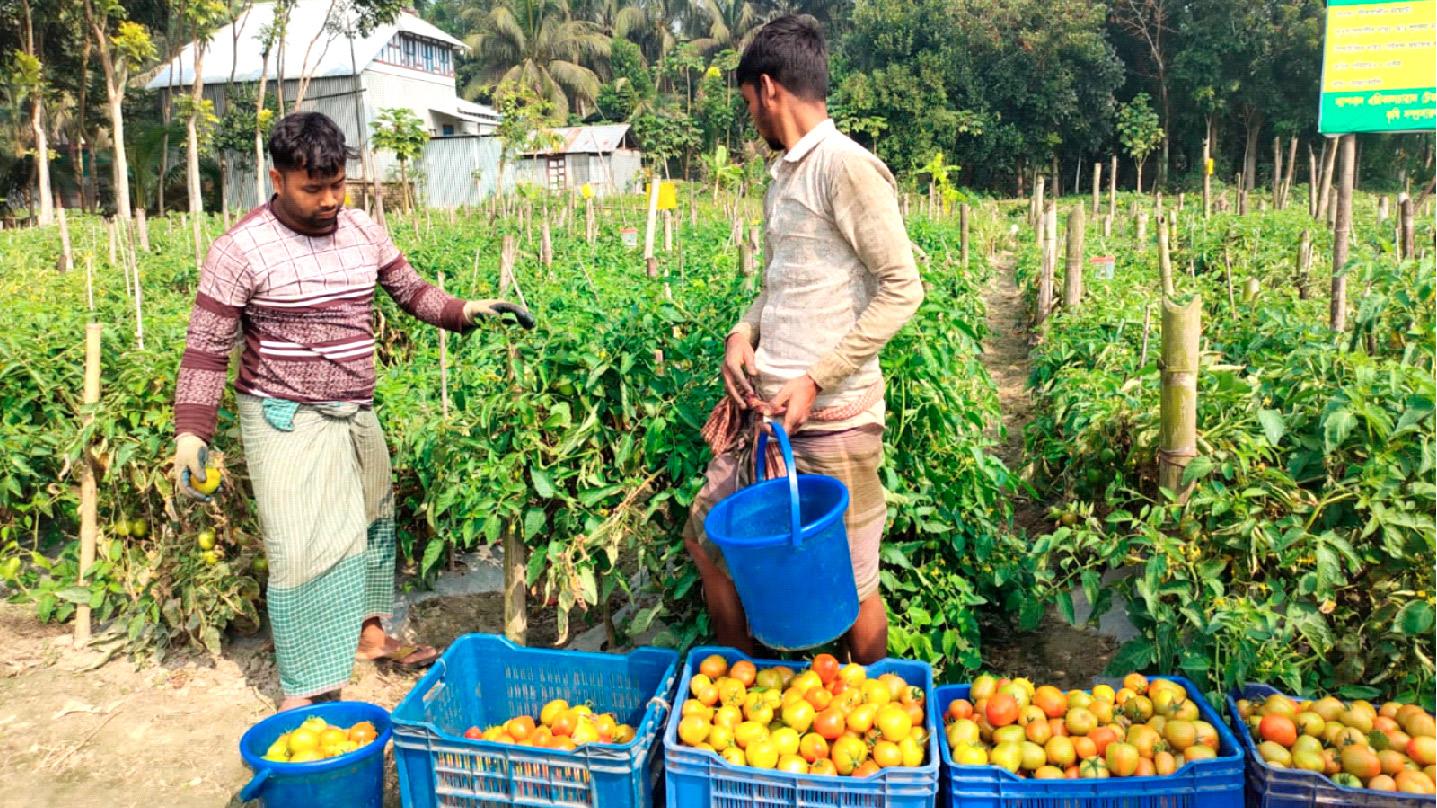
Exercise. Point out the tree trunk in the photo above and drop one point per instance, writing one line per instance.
(1249, 156)
(1312, 177)
(1341, 231)
(1177, 435)
(121, 164)
(516, 618)
(1139, 187)
(1038, 208)
(42, 159)
(1324, 182)
(1073, 272)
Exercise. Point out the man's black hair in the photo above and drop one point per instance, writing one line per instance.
(309, 141)
(791, 51)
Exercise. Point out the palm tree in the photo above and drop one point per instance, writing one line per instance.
(831, 14)
(536, 43)
(725, 24)
(651, 24)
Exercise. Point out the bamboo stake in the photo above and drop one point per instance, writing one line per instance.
(1177, 437)
(650, 264)
(142, 226)
(1311, 183)
(1165, 261)
(89, 493)
(1038, 206)
(1250, 291)
(1277, 172)
(1107, 225)
(1097, 186)
(1049, 246)
(668, 231)
(1291, 166)
(1341, 230)
(1206, 178)
(1227, 274)
(110, 233)
(1384, 209)
(90, 282)
(590, 226)
(1073, 272)
(546, 243)
(508, 256)
(1142, 233)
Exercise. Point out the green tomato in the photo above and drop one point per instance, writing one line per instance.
(139, 528)
(206, 539)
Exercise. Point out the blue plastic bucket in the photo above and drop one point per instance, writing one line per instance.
(783, 539)
(355, 780)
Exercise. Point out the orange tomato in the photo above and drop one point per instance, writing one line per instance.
(713, 666)
(1051, 701)
(1101, 737)
(1122, 759)
(519, 728)
(830, 724)
(1001, 710)
(959, 709)
(744, 671)
(813, 747)
(1278, 729)
(826, 666)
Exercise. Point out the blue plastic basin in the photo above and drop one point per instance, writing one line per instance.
(355, 780)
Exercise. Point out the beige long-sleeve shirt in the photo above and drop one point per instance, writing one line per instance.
(839, 276)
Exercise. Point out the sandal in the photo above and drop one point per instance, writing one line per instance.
(405, 655)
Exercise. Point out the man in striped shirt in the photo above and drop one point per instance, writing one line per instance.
(295, 280)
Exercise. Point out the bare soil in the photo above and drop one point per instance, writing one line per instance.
(1056, 653)
(167, 735)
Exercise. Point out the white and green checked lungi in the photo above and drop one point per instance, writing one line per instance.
(326, 509)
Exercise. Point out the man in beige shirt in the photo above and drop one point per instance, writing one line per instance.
(839, 281)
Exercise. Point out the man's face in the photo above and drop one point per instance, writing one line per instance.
(311, 200)
(761, 97)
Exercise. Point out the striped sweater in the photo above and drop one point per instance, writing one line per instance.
(304, 306)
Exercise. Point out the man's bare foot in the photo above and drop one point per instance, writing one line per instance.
(294, 703)
(375, 645)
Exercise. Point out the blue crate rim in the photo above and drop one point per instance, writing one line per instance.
(1006, 777)
(257, 762)
(670, 735)
(403, 728)
(1320, 780)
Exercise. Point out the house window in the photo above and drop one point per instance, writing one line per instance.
(448, 130)
(417, 54)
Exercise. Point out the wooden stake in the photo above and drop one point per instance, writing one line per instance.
(1206, 178)
(1038, 206)
(1227, 274)
(1250, 291)
(89, 493)
(1341, 230)
(963, 231)
(1147, 332)
(508, 256)
(546, 244)
(67, 255)
(668, 231)
(1142, 235)
(1291, 167)
(590, 227)
(1107, 225)
(1049, 246)
(516, 618)
(1177, 436)
(1242, 201)
(1304, 264)
(110, 232)
(1311, 183)
(1277, 172)
(1073, 272)
(90, 282)
(1329, 163)
(443, 362)
(1113, 187)
(1384, 209)
(1409, 228)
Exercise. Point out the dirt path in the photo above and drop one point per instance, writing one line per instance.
(1056, 653)
(1005, 354)
(122, 735)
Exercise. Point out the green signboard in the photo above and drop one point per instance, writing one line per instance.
(1379, 67)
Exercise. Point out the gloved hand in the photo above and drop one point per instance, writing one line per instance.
(475, 309)
(190, 473)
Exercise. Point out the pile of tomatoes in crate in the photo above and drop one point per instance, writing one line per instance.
(1144, 728)
(826, 720)
(560, 726)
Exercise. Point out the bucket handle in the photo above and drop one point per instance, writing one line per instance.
(795, 522)
(254, 786)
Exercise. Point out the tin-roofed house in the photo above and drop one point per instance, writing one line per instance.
(350, 77)
(605, 157)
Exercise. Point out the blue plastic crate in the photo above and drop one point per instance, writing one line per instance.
(483, 680)
(1213, 783)
(698, 778)
(1271, 787)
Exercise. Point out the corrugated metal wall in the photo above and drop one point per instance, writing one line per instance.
(450, 165)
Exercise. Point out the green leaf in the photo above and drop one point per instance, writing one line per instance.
(1416, 618)
(543, 485)
(587, 587)
(1134, 655)
(433, 551)
(1065, 607)
(1335, 429)
(78, 595)
(1358, 692)
(534, 520)
(1200, 467)
(1273, 425)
